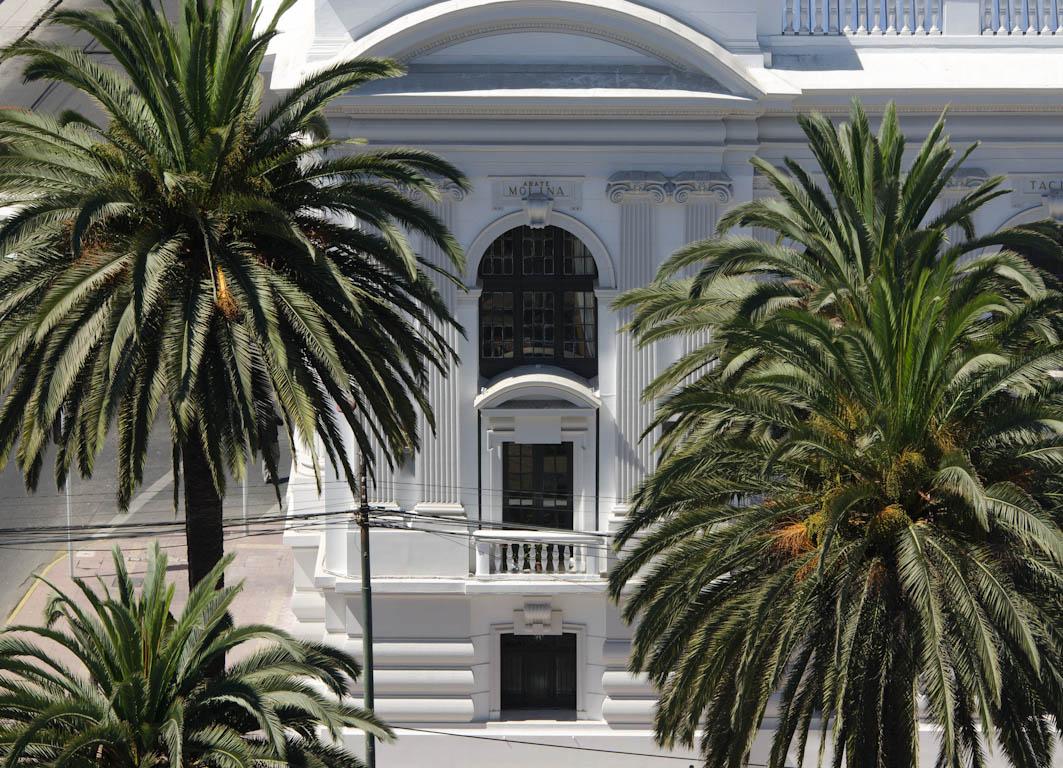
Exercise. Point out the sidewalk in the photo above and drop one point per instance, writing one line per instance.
(263, 563)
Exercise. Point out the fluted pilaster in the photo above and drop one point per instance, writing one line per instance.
(638, 194)
(703, 194)
(434, 474)
(436, 470)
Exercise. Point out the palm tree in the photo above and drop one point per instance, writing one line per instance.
(143, 694)
(856, 513)
(204, 252)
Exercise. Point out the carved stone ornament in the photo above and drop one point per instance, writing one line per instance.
(691, 185)
(629, 185)
(537, 617)
(967, 178)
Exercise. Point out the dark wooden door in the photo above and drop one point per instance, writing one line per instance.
(537, 484)
(539, 672)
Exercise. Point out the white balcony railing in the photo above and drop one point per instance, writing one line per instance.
(864, 17)
(1022, 17)
(532, 553)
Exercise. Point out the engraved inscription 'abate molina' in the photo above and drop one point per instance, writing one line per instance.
(514, 191)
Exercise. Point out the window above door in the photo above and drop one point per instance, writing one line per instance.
(537, 304)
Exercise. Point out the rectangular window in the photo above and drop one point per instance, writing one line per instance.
(537, 251)
(498, 260)
(538, 323)
(577, 261)
(496, 325)
(580, 325)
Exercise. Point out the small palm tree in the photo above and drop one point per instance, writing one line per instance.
(142, 694)
(207, 255)
(857, 508)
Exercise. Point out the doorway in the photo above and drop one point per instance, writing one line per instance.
(538, 673)
(537, 484)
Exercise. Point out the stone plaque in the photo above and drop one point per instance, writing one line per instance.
(1028, 186)
(516, 191)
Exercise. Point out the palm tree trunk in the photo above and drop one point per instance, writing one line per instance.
(204, 535)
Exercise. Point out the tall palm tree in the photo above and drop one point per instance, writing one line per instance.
(857, 510)
(192, 248)
(142, 694)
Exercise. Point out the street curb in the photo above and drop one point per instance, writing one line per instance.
(32, 587)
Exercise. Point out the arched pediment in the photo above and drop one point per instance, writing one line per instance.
(536, 385)
(421, 34)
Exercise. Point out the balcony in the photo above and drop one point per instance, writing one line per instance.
(523, 554)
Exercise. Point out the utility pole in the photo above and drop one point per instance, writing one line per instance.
(367, 607)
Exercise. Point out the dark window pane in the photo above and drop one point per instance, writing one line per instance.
(498, 260)
(537, 484)
(581, 331)
(537, 253)
(577, 261)
(529, 276)
(496, 325)
(538, 320)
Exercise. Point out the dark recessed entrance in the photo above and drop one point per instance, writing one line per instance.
(537, 484)
(539, 672)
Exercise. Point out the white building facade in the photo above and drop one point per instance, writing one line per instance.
(599, 136)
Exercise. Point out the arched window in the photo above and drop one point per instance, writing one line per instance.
(537, 303)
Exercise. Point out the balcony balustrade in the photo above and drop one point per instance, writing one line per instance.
(864, 17)
(1012, 18)
(1022, 17)
(533, 553)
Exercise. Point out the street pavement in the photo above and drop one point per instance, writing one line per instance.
(92, 503)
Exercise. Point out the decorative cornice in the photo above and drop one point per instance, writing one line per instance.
(631, 185)
(693, 185)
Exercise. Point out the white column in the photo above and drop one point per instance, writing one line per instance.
(638, 194)
(702, 194)
(436, 468)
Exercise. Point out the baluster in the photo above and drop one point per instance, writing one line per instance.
(877, 28)
(920, 17)
(1059, 17)
(934, 9)
(818, 28)
(1002, 17)
(804, 13)
(987, 17)
(788, 21)
(832, 17)
(1046, 12)
(551, 558)
(907, 28)
(891, 17)
(862, 7)
(1031, 17)
(1016, 17)
(847, 16)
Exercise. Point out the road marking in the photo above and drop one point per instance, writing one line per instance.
(137, 503)
(32, 587)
